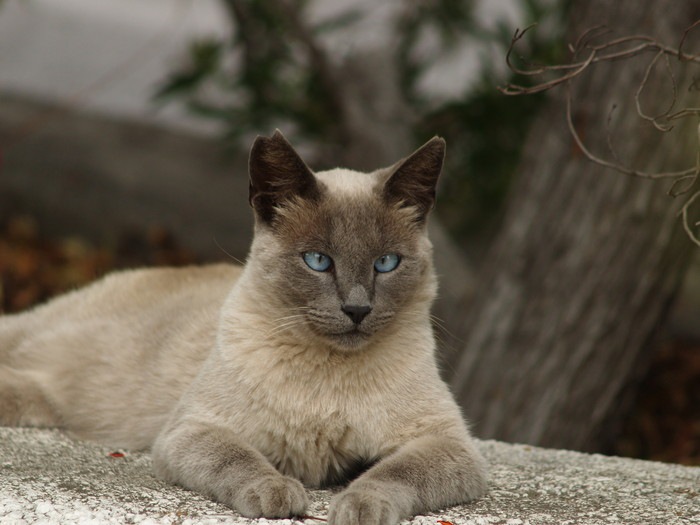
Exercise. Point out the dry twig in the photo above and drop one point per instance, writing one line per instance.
(684, 181)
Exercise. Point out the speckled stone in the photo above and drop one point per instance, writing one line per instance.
(47, 478)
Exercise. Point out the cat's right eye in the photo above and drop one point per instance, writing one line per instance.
(317, 261)
(387, 263)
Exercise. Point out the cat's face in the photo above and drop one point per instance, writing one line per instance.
(345, 252)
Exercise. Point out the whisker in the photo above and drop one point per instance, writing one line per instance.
(288, 317)
(440, 323)
(289, 322)
(283, 327)
(234, 258)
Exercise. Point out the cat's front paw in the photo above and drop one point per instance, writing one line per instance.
(362, 506)
(272, 496)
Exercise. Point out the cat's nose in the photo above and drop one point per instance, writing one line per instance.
(356, 312)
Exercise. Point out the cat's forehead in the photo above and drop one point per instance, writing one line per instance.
(352, 209)
(349, 183)
(350, 216)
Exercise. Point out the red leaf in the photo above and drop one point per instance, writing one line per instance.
(116, 455)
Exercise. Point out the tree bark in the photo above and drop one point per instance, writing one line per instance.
(587, 260)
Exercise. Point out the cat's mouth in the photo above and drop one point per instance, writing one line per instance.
(342, 334)
(350, 339)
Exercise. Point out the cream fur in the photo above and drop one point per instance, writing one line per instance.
(342, 181)
(114, 358)
(231, 388)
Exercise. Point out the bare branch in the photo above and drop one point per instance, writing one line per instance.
(684, 181)
(608, 133)
(687, 112)
(642, 85)
(514, 89)
(588, 36)
(686, 207)
(597, 53)
(540, 70)
(615, 165)
(684, 215)
(681, 55)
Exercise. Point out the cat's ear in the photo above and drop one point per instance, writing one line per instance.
(412, 181)
(277, 175)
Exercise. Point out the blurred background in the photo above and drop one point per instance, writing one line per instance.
(569, 312)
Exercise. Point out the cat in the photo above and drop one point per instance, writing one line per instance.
(310, 366)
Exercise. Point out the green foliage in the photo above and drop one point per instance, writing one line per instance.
(450, 20)
(486, 128)
(485, 132)
(205, 60)
(278, 77)
(273, 81)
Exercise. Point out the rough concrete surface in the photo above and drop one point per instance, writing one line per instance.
(47, 478)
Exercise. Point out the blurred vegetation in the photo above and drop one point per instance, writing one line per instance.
(273, 73)
(35, 268)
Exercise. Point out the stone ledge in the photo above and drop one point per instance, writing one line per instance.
(47, 478)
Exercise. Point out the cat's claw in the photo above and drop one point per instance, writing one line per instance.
(362, 507)
(272, 496)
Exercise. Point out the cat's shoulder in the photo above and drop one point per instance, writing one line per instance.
(152, 279)
(166, 275)
(128, 290)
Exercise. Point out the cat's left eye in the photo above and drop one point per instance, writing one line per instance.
(319, 262)
(387, 263)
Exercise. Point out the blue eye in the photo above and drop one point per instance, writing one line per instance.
(387, 263)
(317, 261)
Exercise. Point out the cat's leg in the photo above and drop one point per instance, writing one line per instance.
(426, 474)
(22, 402)
(211, 460)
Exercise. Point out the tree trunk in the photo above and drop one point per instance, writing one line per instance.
(588, 259)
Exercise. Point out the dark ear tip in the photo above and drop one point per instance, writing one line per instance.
(263, 145)
(277, 136)
(438, 144)
(259, 142)
(262, 140)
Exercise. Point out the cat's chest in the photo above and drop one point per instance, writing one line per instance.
(317, 427)
(321, 452)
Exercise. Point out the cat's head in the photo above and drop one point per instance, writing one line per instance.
(340, 253)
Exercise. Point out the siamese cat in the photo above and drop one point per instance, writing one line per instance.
(310, 366)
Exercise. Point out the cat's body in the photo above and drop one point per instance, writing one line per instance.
(114, 358)
(314, 361)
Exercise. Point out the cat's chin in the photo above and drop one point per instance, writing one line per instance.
(350, 341)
